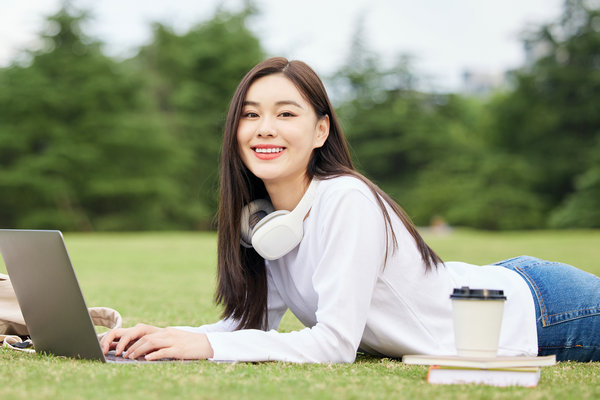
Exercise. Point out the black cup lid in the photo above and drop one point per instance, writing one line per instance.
(466, 293)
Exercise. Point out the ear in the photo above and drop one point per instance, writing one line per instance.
(322, 131)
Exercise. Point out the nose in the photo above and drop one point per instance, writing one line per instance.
(266, 129)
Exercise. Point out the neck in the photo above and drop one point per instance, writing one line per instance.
(287, 195)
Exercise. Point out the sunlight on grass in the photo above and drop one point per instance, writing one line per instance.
(169, 279)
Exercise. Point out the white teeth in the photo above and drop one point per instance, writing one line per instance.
(269, 150)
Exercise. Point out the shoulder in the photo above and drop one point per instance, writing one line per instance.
(345, 190)
(343, 184)
(345, 210)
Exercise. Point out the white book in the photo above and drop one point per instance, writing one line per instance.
(481, 363)
(527, 376)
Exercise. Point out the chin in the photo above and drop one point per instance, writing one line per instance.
(264, 175)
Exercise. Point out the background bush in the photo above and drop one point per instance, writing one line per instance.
(88, 142)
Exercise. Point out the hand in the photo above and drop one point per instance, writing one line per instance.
(121, 338)
(155, 343)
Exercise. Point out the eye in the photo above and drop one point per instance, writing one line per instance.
(250, 114)
(287, 114)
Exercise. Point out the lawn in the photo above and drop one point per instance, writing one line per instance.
(169, 279)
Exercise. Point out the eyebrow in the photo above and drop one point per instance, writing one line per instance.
(278, 103)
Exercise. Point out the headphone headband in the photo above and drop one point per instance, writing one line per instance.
(305, 204)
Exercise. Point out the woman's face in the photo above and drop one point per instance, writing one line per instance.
(278, 131)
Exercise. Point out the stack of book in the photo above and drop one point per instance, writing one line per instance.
(496, 371)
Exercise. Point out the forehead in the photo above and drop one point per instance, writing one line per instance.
(274, 88)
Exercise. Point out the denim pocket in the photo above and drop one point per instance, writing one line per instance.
(563, 292)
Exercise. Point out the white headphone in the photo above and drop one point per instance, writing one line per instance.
(272, 233)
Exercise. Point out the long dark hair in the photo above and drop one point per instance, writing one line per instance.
(242, 281)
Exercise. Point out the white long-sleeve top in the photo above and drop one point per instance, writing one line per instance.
(337, 284)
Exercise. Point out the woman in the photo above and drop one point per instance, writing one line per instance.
(347, 261)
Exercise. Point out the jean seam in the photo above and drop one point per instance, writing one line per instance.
(536, 290)
(557, 332)
(543, 310)
(567, 346)
(595, 309)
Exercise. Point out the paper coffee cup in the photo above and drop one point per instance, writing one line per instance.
(477, 315)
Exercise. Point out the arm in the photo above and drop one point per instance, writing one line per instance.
(183, 342)
(352, 247)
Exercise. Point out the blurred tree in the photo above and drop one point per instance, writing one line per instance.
(551, 121)
(431, 151)
(87, 142)
(90, 143)
(519, 160)
(384, 116)
(582, 207)
(79, 146)
(424, 149)
(194, 76)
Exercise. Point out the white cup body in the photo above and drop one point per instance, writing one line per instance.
(477, 326)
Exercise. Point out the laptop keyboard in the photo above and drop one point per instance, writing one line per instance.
(112, 358)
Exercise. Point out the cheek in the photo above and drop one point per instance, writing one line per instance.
(244, 133)
(241, 145)
(241, 138)
(242, 151)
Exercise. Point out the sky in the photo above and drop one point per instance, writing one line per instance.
(443, 37)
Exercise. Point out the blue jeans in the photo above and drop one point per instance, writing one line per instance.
(567, 307)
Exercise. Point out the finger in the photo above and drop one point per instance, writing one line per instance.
(129, 336)
(125, 343)
(113, 345)
(147, 344)
(110, 346)
(160, 354)
(175, 344)
(108, 340)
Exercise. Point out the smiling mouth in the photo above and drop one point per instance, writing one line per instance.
(269, 150)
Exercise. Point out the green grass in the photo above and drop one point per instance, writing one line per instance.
(169, 279)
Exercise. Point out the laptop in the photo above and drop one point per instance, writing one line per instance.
(49, 295)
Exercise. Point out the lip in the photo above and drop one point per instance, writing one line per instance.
(266, 151)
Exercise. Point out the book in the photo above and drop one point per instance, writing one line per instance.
(480, 363)
(524, 376)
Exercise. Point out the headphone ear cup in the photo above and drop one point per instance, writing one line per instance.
(268, 219)
(251, 216)
(276, 235)
(273, 234)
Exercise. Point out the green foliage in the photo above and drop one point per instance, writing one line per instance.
(482, 190)
(193, 78)
(551, 119)
(425, 150)
(582, 207)
(79, 146)
(523, 158)
(89, 143)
